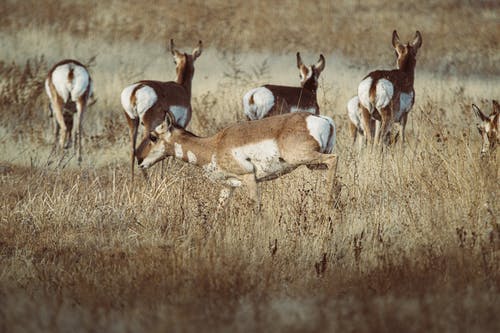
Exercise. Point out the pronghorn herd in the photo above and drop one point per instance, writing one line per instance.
(284, 128)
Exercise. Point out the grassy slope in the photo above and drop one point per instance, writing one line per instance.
(412, 243)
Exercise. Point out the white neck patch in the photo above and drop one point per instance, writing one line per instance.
(178, 150)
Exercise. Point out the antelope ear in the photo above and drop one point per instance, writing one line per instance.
(395, 39)
(169, 120)
(320, 65)
(172, 48)
(299, 60)
(478, 113)
(197, 51)
(417, 41)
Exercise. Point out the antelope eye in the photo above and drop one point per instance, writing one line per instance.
(153, 138)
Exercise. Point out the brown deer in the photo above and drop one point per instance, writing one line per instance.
(270, 100)
(249, 152)
(147, 102)
(488, 127)
(389, 94)
(69, 87)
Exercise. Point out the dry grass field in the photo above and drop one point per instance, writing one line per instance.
(411, 243)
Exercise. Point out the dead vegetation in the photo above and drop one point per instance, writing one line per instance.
(412, 242)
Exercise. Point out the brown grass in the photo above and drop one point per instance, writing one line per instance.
(412, 242)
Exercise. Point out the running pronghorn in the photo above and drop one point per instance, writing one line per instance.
(147, 102)
(270, 100)
(489, 127)
(249, 152)
(69, 87)
(355, 124)
(389, 94)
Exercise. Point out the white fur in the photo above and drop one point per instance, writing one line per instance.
(178, 150)
(47, 89)
(383, 93)
(191, 157)
(308, 76)
(405, 104)
(263, 156)
(145, 98)
(263, 101)
(74, 88)
(354, 113)
(320, 128)
(125, 100)
(180, 114)
(364, 93)
(296, 109)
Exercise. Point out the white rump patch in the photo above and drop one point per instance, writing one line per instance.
(353, 112)
(125, 100)
(74, 88)
(383, 93)
(263, 101)
(178, 150)
(364, 93)
(180, 114)
(191, 157)
(145, 98)
(320, 128)
(264, 156)
(310, 110)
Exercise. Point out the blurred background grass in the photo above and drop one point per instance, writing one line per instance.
(412, 243)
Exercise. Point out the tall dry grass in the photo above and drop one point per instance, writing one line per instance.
(411, 243)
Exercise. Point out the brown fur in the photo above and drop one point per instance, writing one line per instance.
(169, 93)
(488, 127)
(402, 80)
(303, 97)
(63, 112)
(297, 146)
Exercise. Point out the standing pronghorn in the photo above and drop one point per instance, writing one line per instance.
(270, 100)
(147, 102)
(489, 127)
(390, 93)
(69, 87)
(249, 152)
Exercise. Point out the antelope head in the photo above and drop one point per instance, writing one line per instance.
(309, 75)
(488, 127)
(184, 63)
(158, 145)
(406, 53)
